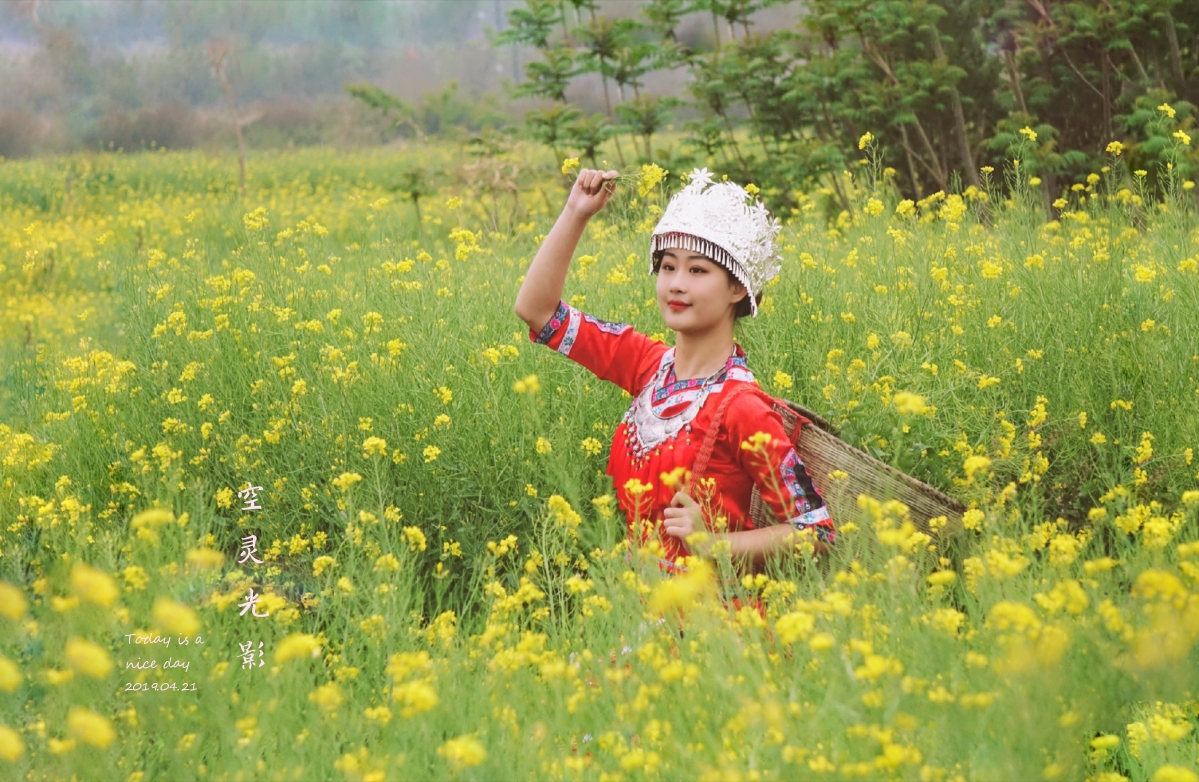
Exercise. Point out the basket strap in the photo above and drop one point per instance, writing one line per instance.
(784, 409)
(705, 452)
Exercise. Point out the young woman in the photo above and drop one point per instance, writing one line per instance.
(713, 254)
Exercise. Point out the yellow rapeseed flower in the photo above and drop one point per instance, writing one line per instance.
(1172, 773)
(636, 488)
(175, 617)
(328, 696)
(381, 714)
(57, 677)
(12, 601)
(684, 590)
(321, 564)
(344, 481)
(205, 558)
(93, 585)
(416, 538)
(374, 446)
(135, 577)
(463, 752)
(10, 675)
(651, 175)
(417, 697)
(529, 384)
(296, 646)
(498, 550)
(973, 519)
(908, 403)
(151, 518)
(756, 441)
(795, 626)
(973, 464)
(674, 479)
(11, 746)
(60, 746)
(387, 562)
(90, 727)
(87, 657)
(256, 220)
(822, 642)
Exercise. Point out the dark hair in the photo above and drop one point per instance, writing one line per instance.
(743, 308)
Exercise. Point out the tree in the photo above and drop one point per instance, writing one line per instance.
(414, 183)
(549, 78)
(944, 87)
(217, 52)
(647, 115)
(550, 126)
(588, 134)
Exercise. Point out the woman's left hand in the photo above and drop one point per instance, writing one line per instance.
(683, 517)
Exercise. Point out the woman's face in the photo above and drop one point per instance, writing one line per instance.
(698, 288)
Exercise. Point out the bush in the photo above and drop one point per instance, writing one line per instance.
(286, 123)
(169, 125)
(19, 133)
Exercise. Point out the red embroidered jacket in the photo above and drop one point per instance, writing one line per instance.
(666, 423)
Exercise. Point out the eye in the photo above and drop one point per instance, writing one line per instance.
(697, 269)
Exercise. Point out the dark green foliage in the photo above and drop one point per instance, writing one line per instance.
(445, 112)
(944, 87)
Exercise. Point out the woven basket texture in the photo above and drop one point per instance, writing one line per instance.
(823, 453)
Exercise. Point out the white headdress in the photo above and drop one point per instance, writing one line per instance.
(719, 223)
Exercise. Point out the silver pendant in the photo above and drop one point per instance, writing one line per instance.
(651, 430)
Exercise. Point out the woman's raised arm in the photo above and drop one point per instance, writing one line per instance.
(542, 289)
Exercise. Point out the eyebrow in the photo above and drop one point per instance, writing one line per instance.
(690, 257)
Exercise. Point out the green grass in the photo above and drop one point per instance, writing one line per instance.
(180, 344)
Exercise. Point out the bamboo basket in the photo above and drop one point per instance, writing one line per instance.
(823, 453)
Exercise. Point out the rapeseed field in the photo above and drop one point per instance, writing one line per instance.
(286, 492)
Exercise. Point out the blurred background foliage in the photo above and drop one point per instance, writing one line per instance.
(777, 92)
(132, 74)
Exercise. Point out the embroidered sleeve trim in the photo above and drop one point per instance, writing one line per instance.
(811, 518)
(791, 481)
(555, 322)
(572, 331)
(608, 327)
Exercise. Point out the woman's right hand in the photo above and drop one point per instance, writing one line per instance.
(591, 191)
